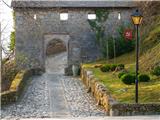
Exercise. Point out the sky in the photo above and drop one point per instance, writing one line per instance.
(6, 20)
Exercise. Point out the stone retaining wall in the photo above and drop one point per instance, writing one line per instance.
(134, 109)
(97, 89)
(112, 107)
(16, 87)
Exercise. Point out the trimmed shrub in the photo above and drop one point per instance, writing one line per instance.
(121, 74)
(134, 73)
(156, 71)
(121, 66)
(143, 78)
(105, 68)
(113, 67)
(128, 79)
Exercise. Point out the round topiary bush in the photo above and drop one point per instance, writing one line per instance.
(121, 74)
(121, 66)
(105, 68)
(128, 79)
(134, 73)
(143, 78)
(113, 67)
(156, 71)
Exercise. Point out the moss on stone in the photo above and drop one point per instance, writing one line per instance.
(17, 80)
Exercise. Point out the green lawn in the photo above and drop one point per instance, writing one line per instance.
(148, 92)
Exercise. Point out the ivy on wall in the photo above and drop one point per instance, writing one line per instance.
(98, 26)
(107, 45)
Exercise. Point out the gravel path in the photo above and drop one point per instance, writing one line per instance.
(34, 103)
(53, 95)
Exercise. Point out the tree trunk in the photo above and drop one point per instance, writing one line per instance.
(0, 58)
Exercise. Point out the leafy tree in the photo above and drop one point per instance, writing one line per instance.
(12, 36)
(12, 41)
(123, 45)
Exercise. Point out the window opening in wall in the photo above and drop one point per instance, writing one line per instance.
(35, 16)
(63, 16)
(119, 16)
(91, 16)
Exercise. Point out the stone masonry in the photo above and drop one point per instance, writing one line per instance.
(36, 19)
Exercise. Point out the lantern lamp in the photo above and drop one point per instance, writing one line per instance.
(137, 17)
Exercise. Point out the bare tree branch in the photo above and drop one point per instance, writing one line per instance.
(0, 57)
(4, 28)
(6, 4)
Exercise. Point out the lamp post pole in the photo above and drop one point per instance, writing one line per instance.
(137, 65)
(137, 19)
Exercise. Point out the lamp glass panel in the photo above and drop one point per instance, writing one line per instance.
(140, 20)
(136, 20)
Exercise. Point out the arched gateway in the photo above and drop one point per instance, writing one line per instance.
(55, 43)
(38, 22)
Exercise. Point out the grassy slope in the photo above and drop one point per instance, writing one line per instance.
(150, 34)
(148, 92)
(151, 50)
(150, 59)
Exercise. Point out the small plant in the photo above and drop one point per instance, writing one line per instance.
(121, 66)
(113, 67)
(121, 74)
(156, 71)
(128, 79)
(105, 68)
(143, 78)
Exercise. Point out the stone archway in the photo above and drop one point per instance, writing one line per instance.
(55, 46)
(55, 43)
(63, 37)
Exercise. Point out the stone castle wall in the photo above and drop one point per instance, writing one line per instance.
(30, 32)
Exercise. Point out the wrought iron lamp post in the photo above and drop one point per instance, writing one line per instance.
(137, 19)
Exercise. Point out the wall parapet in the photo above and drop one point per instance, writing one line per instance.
(72, 3)
(123, 109)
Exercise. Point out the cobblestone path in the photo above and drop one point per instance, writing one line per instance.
(53, 95)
